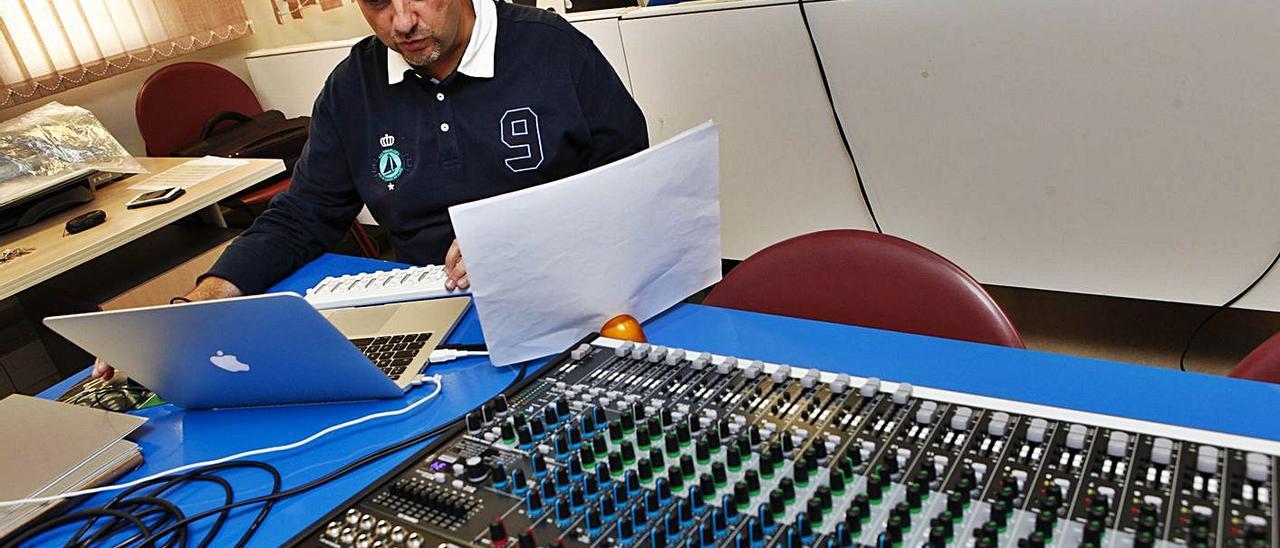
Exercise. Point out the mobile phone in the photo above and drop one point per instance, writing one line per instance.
(162, 196)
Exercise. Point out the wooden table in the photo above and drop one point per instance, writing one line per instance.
(56, 252)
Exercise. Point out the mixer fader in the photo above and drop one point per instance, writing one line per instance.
(622, 444)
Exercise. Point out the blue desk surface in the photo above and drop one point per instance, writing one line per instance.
(174, 437)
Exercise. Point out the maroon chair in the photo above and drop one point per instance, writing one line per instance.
(176, 101)
(1263, 364)
(868, 279)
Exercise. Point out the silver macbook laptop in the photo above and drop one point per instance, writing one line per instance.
(266, 349)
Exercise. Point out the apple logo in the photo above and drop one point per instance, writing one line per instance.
(228, 362)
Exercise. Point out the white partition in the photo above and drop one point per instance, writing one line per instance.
(602, 29)
(289, 79)
(1127, 148)
(783, 169)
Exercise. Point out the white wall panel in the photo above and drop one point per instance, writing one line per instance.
(783, 170)
(608, 37)
(1119, 148)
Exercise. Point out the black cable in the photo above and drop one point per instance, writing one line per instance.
(75, 517)
(831, 101)
(1182, 361)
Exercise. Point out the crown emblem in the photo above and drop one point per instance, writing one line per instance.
(387, 140)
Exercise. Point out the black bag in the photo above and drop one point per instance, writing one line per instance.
(267, 135)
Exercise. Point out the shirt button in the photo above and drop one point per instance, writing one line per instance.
(444, 127)
(439, 96)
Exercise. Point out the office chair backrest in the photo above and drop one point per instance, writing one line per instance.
(175, 102)
(868, 279)
(1263, 364)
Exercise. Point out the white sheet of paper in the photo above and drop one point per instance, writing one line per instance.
(552, 263)
(188, 174)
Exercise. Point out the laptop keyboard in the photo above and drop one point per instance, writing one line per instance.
(394, 353)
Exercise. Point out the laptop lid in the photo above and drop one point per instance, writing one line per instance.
(259, 350)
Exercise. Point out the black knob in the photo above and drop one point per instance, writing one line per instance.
(615, 461)
(753, 481)
(603, 474)
(744, 444)
(776, 454)
(615, 431)
(600, 416)
(575, 466)
(562, 479)
(721, 519)
(915, 494)
(537, 428)
(843, 537)
(777, 502)
(1045, 520)
(645, 469)
(637, 411)
(1093, 531)
(823, 494)
(526, 436)
(628, 452)
(696, 499)
(589, 420)
(903, 513)
(591, 485)
(1000, 513)
(607, 507)
(562, 408)
(672, 521)
(730, 509)
(625, 529)
(787, 444)
(708, 534)
(575, 436)
(800, 473)
(628, 422)
(550, 416)
(548, 489)
(667, 418)
(937, 537)
(594, 521)
(533, 502)
(682, 433)
(803, 525)
(475, 422)
(719, 474)
(518, 479)
(527, 539)
(837, 481)
(539, 465)
(633, 482)
(713, 440)
(676, 477)
(741, 493)
(500, 404)
(577, 497)
(946, 521)
(788, 488)
(638, 514)
(702, 450)
(600, 446)
(850, 461)
(707, 485)
(563, 512)
(956, 502)
(586, 456)
(733, 458)
(654, 427)
(862, 505)
(819, 451)
(562, 445)
(642, 438)
(894, 529)
(651, 502)
(695, 425)
(520, 420)
(672, 446)
(686, 466)
(853, 521)
(508, 432)
(620, 493)
(814, 509)
(1040, 540)
(686, 510)
(656, 459)
(765, 514)
(664, 489)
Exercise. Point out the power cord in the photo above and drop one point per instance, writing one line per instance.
(1182, 361)
(150, 534)
(831, 101)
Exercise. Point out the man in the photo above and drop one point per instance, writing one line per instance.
(456, 100)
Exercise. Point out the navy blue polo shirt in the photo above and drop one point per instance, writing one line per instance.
(553, 107)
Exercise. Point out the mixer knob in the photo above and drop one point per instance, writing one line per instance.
(539, 465)
(903, 394)
(687, 467)
(924, 415)
(682, 434)
(414, 541)
(915, 494)
(625, 530)
(777, 503)
(1207, 459)
(533, 502)
(893, 531)
(475, 423)
(562, 445)
(624, 349)
(840, 383)
(1161, 451)
(607, 506)
(1093, 532)
(837, 482)
(1118, 444)
(685, 509)
(676, 355)
(594, 521)
(960, 419)
(753, 370)
(667, 417)
(645, 470)
(718, 474)
(800, 473)
(753, 481)
(628, 453)
(591, 485)
(639, 515)
(628, 424)
(1257, 467)
(562, 479)
(509, 432)
(1036, 430)
(500, 404)
(676, 477)
(781, 373)
(549, 415)
(637, 413)
(998, 424)
(810, 379)
(853, 520)
(937, 537)
(726, 366)
(1075, 436)
(656, 353)
(537, 428)
(600, 417)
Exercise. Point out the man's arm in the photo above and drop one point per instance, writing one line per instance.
(302, 222)
(617, 126)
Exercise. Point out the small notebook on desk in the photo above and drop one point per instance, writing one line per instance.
(52, 447)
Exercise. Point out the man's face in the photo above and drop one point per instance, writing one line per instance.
(419, 30)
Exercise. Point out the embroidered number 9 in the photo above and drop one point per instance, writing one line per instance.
(520, 133)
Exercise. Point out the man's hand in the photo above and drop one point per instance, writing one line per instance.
(208, 289)
(455, 269)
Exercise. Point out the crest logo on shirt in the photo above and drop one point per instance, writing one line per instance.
(390, 165)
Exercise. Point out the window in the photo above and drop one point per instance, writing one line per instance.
(47, 46)
(293, 8)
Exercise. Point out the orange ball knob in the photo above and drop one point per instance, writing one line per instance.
(623, 327)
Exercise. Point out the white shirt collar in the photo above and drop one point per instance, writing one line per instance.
(477, 59)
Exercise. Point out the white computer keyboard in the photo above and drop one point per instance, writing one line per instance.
(383, 286)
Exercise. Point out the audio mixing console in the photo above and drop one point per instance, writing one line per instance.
(621, 444)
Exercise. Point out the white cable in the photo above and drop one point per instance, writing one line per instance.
(440, 356)
(255, 452)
